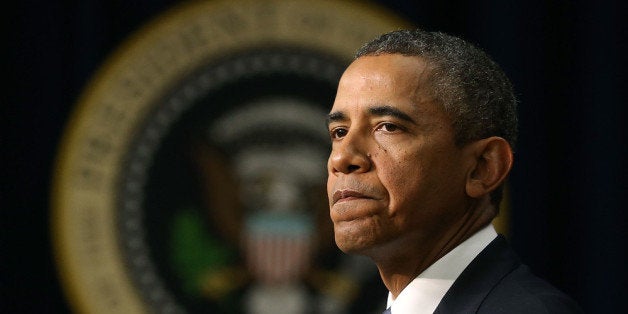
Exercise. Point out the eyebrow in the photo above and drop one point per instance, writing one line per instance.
(334, 117)
(382, 111)
(379, 111)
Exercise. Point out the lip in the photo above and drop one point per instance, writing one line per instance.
(346, 194)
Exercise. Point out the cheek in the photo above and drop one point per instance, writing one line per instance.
(401, 174)
(330, 186)
(404, 191)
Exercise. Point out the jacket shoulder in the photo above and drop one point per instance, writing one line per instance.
(497, 282)
(520, 291)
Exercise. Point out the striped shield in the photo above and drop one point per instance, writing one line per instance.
(278, 246)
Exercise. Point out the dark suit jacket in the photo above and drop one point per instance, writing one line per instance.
(497, 282)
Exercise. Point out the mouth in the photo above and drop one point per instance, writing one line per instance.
(347, 195)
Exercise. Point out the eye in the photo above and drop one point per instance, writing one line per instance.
(337, 133)
(388, 127)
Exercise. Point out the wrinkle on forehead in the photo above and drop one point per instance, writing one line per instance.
(416, 72)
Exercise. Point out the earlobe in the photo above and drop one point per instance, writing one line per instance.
(493, 161)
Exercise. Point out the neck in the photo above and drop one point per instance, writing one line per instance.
(402, 260)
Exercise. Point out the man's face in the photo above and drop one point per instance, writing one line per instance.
(395, 175)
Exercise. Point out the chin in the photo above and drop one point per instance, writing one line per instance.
(352, 245)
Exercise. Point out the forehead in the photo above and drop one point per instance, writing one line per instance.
(391, 80)
(394, 67)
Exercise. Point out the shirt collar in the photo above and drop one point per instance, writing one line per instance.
(428, 288)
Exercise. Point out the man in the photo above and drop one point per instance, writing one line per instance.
(422, 129)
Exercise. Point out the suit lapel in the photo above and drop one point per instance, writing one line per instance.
(479, 278)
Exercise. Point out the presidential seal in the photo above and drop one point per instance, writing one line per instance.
(191, 176)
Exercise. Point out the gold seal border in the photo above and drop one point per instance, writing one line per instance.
(134, 77)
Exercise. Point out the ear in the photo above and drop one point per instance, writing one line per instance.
(493, 161)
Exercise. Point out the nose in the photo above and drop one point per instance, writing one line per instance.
(349, 156)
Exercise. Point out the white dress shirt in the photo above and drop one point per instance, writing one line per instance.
(424, 293)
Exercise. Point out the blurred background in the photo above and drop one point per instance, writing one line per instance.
(568, 189)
